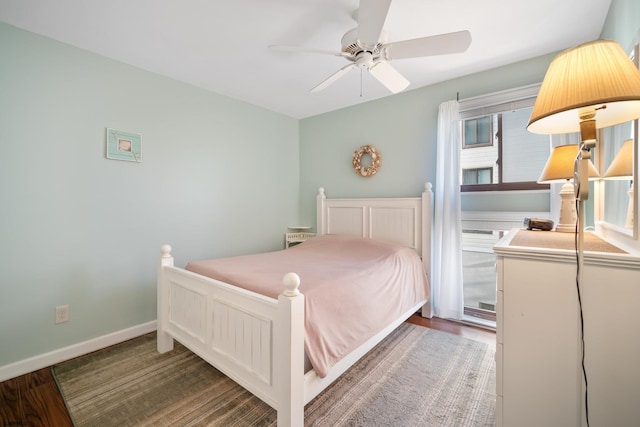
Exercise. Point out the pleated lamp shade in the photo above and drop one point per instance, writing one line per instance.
(596, 77)
(560, 164)
(622, 165)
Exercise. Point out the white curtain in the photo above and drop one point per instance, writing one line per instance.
(446, 287)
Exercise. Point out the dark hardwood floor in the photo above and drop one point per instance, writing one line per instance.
(456, 328)
(33, 400)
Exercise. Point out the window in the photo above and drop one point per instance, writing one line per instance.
(477, 176)
(497, 154)
(479, 273)
(477, 133)
(495, 139)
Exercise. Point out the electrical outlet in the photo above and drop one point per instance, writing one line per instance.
(62, 314)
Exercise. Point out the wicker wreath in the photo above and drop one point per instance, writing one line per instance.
(375, 161)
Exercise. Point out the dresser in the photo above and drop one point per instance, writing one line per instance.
(538, 346)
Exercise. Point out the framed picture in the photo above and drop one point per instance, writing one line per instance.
(124, 145)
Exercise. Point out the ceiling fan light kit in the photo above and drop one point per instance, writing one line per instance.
(366, 47)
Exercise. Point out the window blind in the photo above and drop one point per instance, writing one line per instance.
(497, 102)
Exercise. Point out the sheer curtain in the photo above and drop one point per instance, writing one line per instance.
(447, 286)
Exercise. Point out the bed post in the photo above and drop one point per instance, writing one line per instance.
(289, 354)
(427, 220)
(321, 226)
(165, 341)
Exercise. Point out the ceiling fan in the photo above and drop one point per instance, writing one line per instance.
(366, 47)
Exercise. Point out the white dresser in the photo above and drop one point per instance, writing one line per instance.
(538, 363)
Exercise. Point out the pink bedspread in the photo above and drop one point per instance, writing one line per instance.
(353, 288)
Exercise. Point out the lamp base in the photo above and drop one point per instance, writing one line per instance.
(568, 215)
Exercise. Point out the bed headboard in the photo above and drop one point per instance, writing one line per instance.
(406, 221)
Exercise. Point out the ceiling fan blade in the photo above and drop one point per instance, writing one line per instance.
(441, 44)
(297, 49)
(389, 76)
(371, 17)
(333, 77)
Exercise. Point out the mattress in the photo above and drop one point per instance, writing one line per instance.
(353, 288)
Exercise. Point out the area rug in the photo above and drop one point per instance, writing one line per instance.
(415, 377)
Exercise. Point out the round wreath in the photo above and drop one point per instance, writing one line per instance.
(375, 161)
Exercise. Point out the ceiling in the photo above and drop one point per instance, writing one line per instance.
(222, 46)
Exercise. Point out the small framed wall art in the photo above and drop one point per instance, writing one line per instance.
(124, 145)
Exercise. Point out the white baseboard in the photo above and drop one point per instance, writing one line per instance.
(31, 364)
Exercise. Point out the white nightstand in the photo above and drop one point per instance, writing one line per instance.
(297, 234)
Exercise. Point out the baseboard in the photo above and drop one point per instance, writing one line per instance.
(60, 355)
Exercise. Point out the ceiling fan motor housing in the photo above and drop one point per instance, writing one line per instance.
(354, 47)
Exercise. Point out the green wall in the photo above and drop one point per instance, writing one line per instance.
(218, 177)
(623, 23)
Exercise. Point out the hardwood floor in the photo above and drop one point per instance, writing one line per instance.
(456, 328)
(33, 400)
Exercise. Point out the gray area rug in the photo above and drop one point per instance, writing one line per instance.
(415, 377)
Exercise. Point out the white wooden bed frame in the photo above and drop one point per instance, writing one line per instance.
(258, 341)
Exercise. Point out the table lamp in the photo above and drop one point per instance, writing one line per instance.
(593, 85)
(622, 168)
(559, 168)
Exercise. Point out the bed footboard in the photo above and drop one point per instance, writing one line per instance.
(255, 340)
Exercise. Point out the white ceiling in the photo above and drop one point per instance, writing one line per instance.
(222, 46)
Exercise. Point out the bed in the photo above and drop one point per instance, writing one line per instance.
(259, 340)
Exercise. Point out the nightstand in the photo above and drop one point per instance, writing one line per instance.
(297, 234)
